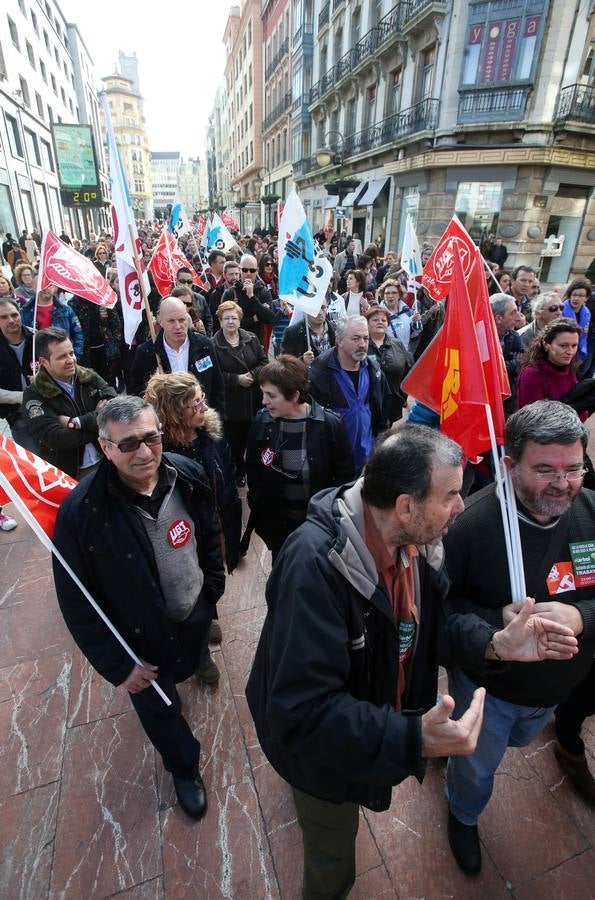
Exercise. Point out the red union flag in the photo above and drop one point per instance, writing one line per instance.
(73, 272)
(166, 261)
(40, 486)
(438, 271)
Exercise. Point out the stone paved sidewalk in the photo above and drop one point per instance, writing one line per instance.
(86, 810)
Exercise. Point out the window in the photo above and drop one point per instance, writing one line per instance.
(370, 107)
(350, 116)
(356, 24)
(14, 35)
(14, 137)
(478, 206)
(249, 32)
(44, 74)
(251, 151)
(50, 113)
(501, 49)
(57, 56)
(22, 7)
(39, 103)
(46, 39)
(250, 112)
(426, 72)
(65, 67)
(284, 158)
(62, 92)
(54, 86)
(47, 156)
(71, 106)
(278, 150)
(30, 53)
(34, 23)
(48, 11)
(25, 92)
(32, 147)
(250, 75)
(393, 99)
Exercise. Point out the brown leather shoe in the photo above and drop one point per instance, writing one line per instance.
(208, 672)
(576, 767)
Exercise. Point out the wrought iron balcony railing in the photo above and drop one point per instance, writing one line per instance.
(577, 102)
(277, 112)
(281, 52)
(501, 104)
(420, 117)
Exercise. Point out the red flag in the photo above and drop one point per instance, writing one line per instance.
(438, 271)
(73, 272)
(228, 220)
(41, 486)
(166, 261)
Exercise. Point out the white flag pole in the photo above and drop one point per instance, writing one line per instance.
(515, 532)
(37, 289)
(49, 545)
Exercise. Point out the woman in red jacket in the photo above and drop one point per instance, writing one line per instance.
(549, 370)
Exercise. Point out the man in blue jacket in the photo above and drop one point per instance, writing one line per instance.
(141, 535)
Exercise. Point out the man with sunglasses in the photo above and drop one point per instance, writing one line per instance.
(545, 447)
(546, 307)
(251, 293)
(184, 280)
(141, 535)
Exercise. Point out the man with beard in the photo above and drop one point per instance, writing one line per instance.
(545, 446)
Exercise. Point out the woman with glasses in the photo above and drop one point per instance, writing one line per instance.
(25, 279)
(549, 368)
(267, 272)
(392, 357)
(404, 323)
(101, 260)
(193, 430)
(295, 449)
(240, 356)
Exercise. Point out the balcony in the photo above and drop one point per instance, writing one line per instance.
(324, 15)
(278, 111)
(281, 52)
(388, 27)
(421, 117)
(303, 39)
(304, 165)
(577, 103)
(418, 10)
(503, 104)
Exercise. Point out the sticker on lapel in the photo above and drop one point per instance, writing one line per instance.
(179, 533)
(202, 364)
(267, 456)
(561, 578)
(583, 559)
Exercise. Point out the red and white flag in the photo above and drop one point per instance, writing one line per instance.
(61, 265)
(123, 221)
(40, 486)
(166, 262)
(438, 271)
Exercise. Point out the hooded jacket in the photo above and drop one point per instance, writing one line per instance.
(44, 401)
(12, 374)
(323, 685)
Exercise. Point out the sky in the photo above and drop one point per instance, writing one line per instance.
(181, 60)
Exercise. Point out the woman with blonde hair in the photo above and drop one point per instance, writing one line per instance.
(192, 429)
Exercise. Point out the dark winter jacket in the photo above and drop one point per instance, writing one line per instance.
(44, 401)
(62, 317)
(258, 309)
(324, 681)
(395, 361)
(211, 451)
(12, 373)
(202, 362)
(476, 561)
(330, 462)
(103, 540)
(106, 325)
(295, 341)
(241, 403)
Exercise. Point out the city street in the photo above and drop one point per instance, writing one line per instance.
(88, 812)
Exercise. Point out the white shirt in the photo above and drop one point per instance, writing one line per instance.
(178, 359)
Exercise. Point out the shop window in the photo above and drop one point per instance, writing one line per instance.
(478, 206)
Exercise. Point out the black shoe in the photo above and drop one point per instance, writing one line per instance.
(576, 767)
(192, 796)
(208, 672)
(464, 843)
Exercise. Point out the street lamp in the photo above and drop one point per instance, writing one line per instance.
(327, 155)
(269, 199)
(239, 204)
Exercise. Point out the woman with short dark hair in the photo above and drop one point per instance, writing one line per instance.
(295, 449)
(392, 356)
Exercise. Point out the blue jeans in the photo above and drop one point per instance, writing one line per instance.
(470, 779)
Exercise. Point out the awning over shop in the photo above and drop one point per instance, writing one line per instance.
(331, 202)
(372, 192)
(352, 195)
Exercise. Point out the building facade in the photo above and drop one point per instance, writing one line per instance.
(484, 108)
(46, 77)
(192, 185)
(129, 129)
(164, 176)
(276, 126)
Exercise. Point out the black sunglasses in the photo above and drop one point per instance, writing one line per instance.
(130, 445)
(184, 280)
(249, 270)
(554, 308)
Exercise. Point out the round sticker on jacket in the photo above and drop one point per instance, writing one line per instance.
(267, 456)
(179, 533)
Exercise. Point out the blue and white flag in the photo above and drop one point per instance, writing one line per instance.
(410, 255)
(178, 222)
(303, 277)
(219, 236)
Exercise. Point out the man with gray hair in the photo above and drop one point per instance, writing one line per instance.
(344, 682)
(546, 307)
(345, 380)
(506, 316)
(545, 447)
(140, 533)
(251, 293)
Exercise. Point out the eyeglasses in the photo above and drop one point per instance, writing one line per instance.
(130, 445)
(200, 403)
(249, 270)
(554, 308)
(576, 473)
(184, 280)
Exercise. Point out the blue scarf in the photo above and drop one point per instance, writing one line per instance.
(357, 415)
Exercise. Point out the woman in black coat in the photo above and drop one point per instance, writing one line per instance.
(392, 357)
(240, 356)
(295, 449)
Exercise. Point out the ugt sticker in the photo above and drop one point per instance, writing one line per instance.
(583, 559)
(267, 456)
(561, 578)
(179, 533)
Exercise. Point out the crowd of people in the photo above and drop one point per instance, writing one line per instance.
(307, 413)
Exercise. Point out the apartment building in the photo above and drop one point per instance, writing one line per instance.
(276, 126)
(192, 184)
(430, 107)
(41, 60)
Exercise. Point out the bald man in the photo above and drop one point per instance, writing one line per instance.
(179, 350)
(252, 294)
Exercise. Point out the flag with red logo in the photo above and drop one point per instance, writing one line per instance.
(166, 261)
(438, 271)
(229, 220)
(123, 221)
(40, 486)
(69, 270)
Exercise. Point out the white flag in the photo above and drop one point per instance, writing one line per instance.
(122, 217)
(219, 236)
(178, 222)
(410, 256)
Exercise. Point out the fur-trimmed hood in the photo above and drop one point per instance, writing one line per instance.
(213, 424)
(47, 387)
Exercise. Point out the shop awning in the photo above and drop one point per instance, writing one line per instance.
(372, 192)
(331, 202)
(351, 196)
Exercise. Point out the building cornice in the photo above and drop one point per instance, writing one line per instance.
(520, 156)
